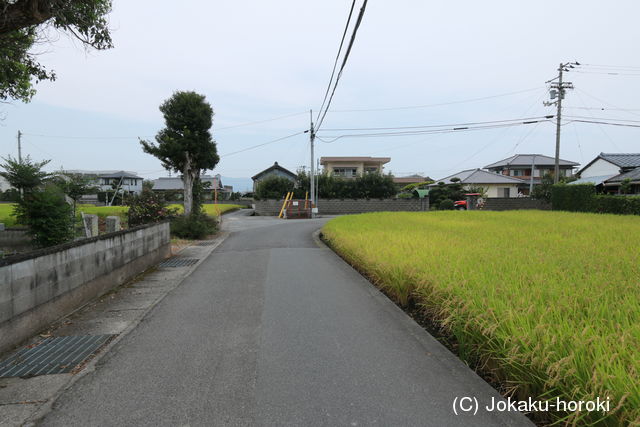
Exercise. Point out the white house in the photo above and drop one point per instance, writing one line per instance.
(108, 180)
(493, 184)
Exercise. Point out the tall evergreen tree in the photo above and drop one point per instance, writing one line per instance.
(185, 144)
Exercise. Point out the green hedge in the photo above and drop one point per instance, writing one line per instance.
(626, 205)
(575, 198)
(583, 198)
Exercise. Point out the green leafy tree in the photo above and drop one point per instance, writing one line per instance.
(442, 192)
(148, 207)
(21, 21)
(274, 187)
(47, 215)
(542, 191)
(26, 175)
(75, 185)
(625, 186)
(185, 144)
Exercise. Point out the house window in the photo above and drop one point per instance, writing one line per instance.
(372, 169)
(345, 172)
(517, 172)
(506, 192)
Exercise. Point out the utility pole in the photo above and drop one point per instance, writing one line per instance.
(558, 90)
(19, 147)
(312, 137)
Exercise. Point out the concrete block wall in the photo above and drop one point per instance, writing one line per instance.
(349, 206)
(508, 204)
(41, 286)
(15, 239)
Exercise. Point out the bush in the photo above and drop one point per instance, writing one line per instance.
(148, 207)
(47, 215)
(446, 205)
(274, 187)
(574, 198)
(583, 198)
(194, 226)
(405, 196)
(626, 205)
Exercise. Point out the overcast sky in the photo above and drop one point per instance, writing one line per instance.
(257, 60)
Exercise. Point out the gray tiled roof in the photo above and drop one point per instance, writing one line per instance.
(175, 183)
(106, 173)
(270, 168)
(623, 160)
(528, 160)
(478, 176)
(633, 175)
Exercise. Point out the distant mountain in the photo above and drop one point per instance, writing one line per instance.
(239, 184)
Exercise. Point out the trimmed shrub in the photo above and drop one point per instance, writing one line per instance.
(47, 215)
(626, 205)
(446, 205)
(274, 187)
(574, 198)
(194, 226)
(148, 207)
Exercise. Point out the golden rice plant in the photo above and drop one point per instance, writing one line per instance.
(550, 301)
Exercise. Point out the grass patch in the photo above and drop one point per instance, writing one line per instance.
(6, 214)
(212, 209)
(6, 211)
(549, 302)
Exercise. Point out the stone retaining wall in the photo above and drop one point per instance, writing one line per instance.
(39, 287)
(349, 206)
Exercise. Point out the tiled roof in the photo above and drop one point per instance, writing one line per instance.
(106, 173)
(595, 180)
(324, 160)
(175, 183)
(528, 160)
(269, 169)
(623, 160)
(633, 175)
(479, 176)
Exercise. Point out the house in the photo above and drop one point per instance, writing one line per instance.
(274, 170)
(608, 170)
(4, 184)
(350, 167)
(110, 180)
(401, 181)
(492, 184)
(612, 185)
(173, 187)
(530, 168)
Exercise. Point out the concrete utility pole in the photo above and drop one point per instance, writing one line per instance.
(558, 90)
(312, 137)
(19, 147)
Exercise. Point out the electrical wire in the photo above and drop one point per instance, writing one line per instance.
(445, 125)
(261, 145)
(344, 62)
(335, 64)
(260, 121)
(430, 131)
(463, 101)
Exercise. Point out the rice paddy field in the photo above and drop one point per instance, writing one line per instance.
(547, 302)
(6, 211)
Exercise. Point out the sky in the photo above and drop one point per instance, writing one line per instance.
(256, 61)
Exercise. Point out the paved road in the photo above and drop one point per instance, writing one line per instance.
(273, 329)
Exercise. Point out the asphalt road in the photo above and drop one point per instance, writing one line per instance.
(274, 329)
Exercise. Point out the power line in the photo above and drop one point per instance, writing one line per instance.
(261, 145)
(599, 122)
(335, 64)
(430, 131)
(84, 137)
(260, 121)
(463, 101)
(444, 125)
(344, 62)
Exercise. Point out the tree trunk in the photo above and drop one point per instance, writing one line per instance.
(187, 180)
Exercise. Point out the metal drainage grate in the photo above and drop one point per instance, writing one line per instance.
(206, 243)
(57, 355)
(178, 262)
